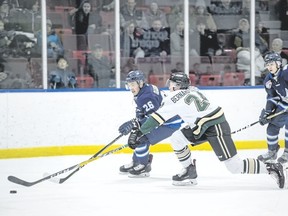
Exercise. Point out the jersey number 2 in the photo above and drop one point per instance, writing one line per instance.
(200, 101)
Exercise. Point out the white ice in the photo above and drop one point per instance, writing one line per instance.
(99, 190)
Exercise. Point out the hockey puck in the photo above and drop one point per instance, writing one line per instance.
(13, 191)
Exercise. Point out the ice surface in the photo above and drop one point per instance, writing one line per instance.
(99, 190)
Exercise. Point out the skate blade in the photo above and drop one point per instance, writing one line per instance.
(142, 175)
(187, 182)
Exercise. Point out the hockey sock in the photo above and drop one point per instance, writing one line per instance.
(184, 156)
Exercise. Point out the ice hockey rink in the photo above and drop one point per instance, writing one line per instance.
(98, 189)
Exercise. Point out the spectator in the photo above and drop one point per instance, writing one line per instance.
(85, 22)
(243, 65)
(175, 15)
(277, 47)
(209, 45)
(196, 70)
(27, 18)
(99, 67)
(179, 67)
(154, 12)
(282, 8)
(5, 40)
(129, 41)
(201, 13)
(242, 37)
(177, 39)
(54, 44)
(156, 40)
(61, 77)
(130, 12)
(225, 7)
(130, 65)
(5, 12)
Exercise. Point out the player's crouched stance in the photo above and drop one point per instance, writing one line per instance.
(206, 121)
(276, 84)
(148, 99)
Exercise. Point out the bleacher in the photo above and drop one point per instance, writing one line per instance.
(156, 69)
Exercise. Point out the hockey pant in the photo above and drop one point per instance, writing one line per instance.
(141, 152)
(273, 129)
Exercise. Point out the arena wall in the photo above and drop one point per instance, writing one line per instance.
(81, 122)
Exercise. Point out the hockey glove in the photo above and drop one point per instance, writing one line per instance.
(263, 118)
(128, 126)
(134, 139)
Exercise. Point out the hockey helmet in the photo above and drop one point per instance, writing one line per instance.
(135, 76)
(181, 79)
(273, 57)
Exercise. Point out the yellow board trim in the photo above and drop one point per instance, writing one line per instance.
(90, 150)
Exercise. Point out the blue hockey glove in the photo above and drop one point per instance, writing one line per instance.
(128, 126)
(263, 117)
(136, 138)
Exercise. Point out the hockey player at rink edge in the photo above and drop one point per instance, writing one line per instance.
(276, 85)
(148, 99)
(205, 120)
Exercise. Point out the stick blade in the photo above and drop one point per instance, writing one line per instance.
(54, 179)
(19, 181)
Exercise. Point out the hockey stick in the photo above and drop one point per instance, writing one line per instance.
(61, 180)
(83, 163)
(256, 122)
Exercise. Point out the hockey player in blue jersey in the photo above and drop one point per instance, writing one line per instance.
(148, 99)
(276, 86)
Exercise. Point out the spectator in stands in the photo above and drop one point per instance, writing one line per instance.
(277, 46)
(129, 65)
(4, 12)
(54, 44)
(130, 12)
(242, 37)
(177, 39)
(61, 77)
(282, 8)
(175, 15)
(99, 67)
(209, 45)
(85, 21)
(154, 12)
(197, 71)
(201, 13)
(225, 7)
(156, 40)
(243, 65)
(129, 41)
(5, 40)
(179, 67)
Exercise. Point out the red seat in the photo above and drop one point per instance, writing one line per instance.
(233, 79)
(210, 80)
(85, 81)
(158, 80)
(80, 54)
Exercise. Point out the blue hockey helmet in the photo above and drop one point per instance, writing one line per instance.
(135, 76)
(273, 57)
(181, 79)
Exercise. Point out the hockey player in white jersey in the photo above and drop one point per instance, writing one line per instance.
(205, 120)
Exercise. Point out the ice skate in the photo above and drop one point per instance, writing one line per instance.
(270, 156)
(284, 158)
(141, 170)
(277, 172)
(186, 177)
(124, 169)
